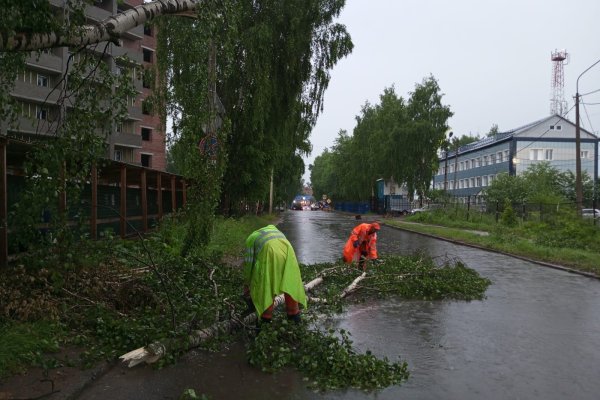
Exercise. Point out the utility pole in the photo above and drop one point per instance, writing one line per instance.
(578, 184)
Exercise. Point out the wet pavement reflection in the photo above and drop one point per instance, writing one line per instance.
(535, 336)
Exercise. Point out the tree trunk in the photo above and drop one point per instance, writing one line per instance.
(153, 352)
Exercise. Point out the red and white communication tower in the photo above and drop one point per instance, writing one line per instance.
(558, 104)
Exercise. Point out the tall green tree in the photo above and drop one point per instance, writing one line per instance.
(394, 140)
(426, 133)
(274, 93)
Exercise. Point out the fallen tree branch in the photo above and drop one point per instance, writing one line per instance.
(353, 286)
(92, 302)
(155, 351)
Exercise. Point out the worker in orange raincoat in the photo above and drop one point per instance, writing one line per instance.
(362, 244)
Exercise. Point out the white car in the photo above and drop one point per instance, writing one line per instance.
(590, 213)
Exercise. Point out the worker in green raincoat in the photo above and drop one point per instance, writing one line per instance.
(270, 269)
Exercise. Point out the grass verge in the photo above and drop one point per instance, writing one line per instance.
(505, 240)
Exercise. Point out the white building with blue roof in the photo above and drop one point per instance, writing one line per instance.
(468, 170)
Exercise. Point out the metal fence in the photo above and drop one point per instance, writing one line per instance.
(473, 207)
(119, 197)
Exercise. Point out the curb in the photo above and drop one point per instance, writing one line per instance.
(96, 374)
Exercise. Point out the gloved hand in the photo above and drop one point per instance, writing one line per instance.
(249, 304)
(356, 243)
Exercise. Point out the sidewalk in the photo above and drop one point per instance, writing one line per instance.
(62, 383)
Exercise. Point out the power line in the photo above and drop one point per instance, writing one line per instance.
(592, 92)
(588, 117)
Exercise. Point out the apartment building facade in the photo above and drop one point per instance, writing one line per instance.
(140, 139)
(468, 170)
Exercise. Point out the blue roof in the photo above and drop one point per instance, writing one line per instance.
(503, 136)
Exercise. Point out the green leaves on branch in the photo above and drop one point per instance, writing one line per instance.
(327, 359)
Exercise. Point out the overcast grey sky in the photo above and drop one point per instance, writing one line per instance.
(491, 60)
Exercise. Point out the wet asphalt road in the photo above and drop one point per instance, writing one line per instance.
(535, 336)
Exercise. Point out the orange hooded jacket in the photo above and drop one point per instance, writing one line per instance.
(367, 243)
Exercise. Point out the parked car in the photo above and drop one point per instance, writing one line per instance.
(419, 210)
(590, 213)
(425, 208)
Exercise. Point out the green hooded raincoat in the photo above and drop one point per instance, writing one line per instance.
(271, 268)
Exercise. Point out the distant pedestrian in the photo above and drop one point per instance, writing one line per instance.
(271, 269)
(362, 245)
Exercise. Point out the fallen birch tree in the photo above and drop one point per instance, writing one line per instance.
(155, 351)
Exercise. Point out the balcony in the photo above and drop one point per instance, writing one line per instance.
(97, 14)
(36, 93)
(35, 127)
(136, 33)
(46, 62)
(135, 55)
(135, 113)
(126, 140)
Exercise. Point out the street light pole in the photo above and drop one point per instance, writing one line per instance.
(578, 183)
(455, 164)
(446, 144)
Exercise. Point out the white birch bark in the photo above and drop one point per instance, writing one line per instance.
(110, 29)
(153, 352)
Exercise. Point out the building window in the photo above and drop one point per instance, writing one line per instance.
(478, 161)
(556, 127)
(26, 110)
(43, 80)
(147, 78)
(478, 183)
(146, 160)
(41, 113)
(462, 166)
(118, 155)
(584, 154)
(499, 157)
(146, 134)
(486, 160)
(506, 155)
(472, 182)
(147, 55)
(535, 154)
(148, 30)
(485, 180)
(491, 179)
(548, 155)
(120, 128)
(130, 101)
(146, 107)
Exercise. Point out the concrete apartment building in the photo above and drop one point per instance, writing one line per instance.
(140, 139)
